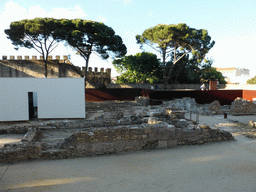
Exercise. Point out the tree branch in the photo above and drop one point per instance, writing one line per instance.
(152, 47)
(181, 57)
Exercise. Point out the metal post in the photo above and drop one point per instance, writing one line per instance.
(197, 118)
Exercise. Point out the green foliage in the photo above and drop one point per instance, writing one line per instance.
(175, 39)
(140, 68)
(88, 37)
(41, 34)
(189, 71)
(186, 71)
(210, 73)
(252, 80)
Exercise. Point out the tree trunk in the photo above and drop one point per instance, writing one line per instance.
(45, 67)
(170, 72)
(85, 71)
(164, 69)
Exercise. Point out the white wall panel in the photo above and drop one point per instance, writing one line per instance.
(56, 98)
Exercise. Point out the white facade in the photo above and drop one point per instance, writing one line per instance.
(235, 75)
(56, 98)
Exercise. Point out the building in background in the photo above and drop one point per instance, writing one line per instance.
(235, 75)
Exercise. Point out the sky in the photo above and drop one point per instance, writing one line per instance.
(230, 23)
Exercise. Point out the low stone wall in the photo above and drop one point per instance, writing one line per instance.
(190, 104)
(97, 141)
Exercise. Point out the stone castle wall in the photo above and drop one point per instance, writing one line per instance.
(34, 67)
(97, 79)
(26, 67)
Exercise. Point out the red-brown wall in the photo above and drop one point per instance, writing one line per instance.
(96, 95)
(225, 97)
(249, 94)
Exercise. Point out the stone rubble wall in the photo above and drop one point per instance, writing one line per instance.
(123, 126)
(142, 100)
(242, 106)
(190, 104)
(97, 141)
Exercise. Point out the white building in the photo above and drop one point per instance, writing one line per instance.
(235, 75)
(53, 98)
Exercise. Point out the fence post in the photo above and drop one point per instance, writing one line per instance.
(197, 118)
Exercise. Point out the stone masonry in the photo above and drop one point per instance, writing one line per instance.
(190, 104)
(34, 67)
(242, 106)
(122, 126)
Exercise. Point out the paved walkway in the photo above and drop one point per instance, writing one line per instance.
(222, 166)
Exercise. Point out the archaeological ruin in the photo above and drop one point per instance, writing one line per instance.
(110, 127)
(119, 118)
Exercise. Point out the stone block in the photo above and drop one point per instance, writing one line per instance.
(108, 71)
(251, 124)
(172, 143)
(26, 57)
(170, 127)
(144, 136)
(84, 146)
(147, 130)
(12, 57)
(65, 57)
(152, 120)
(182, 123)
(161, 124)
(4, 57)
(34, 57)
(179, 133)
(19, 57)
(133, 137)
(118, 138)
(126, 137)
(162, 144)
(57, 57)
(142, 100)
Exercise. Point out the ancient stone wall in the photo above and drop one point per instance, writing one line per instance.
(242, 106)
(97, 79)
(190, 104)
(97, 141)
(26, 67)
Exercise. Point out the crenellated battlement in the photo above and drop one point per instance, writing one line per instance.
(34, 58)
(25, 66)
(97, 73)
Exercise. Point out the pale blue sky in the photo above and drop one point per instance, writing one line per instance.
(231, 23)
